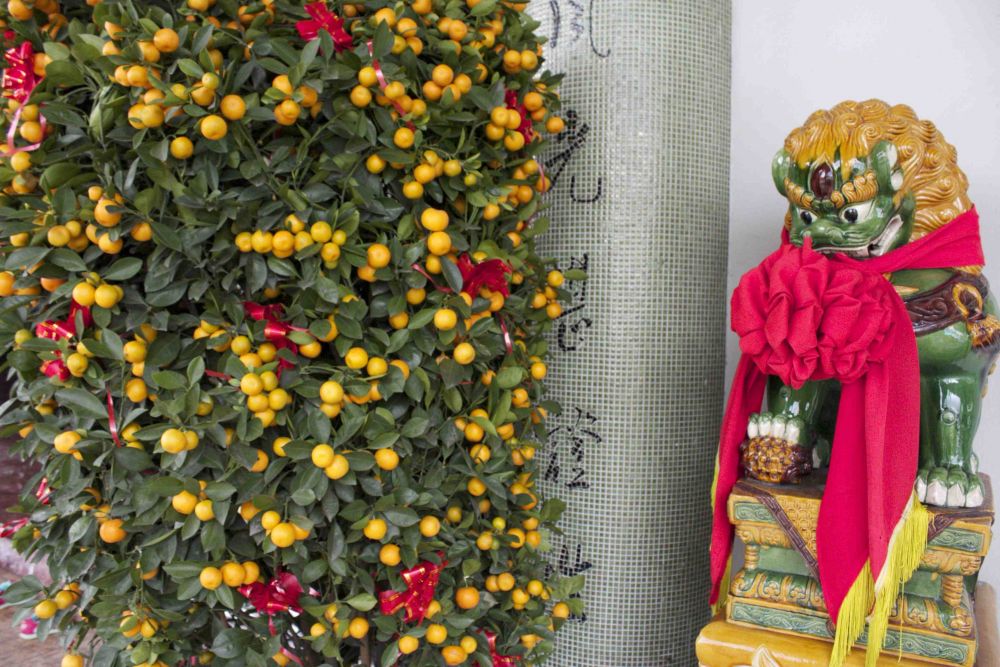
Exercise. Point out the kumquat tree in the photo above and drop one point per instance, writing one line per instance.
(274, 323)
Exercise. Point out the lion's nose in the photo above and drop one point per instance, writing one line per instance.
(824, 230)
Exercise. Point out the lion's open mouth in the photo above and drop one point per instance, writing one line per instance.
(874, 248)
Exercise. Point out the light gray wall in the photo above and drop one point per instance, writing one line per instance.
(792, 57)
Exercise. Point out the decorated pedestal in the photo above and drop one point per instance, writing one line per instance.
(776, 615)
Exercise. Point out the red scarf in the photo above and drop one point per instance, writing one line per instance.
(804, 316)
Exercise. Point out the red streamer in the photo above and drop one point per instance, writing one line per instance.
(383, 84)
(8, 528)
(508, 342)
(112, 422)
(42, 493)
(421, 581)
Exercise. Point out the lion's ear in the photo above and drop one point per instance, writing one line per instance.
(780, 167)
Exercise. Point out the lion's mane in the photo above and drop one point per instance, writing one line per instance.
(930, 167)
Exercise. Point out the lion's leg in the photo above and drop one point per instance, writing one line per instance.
(787, 431)
(951, 406)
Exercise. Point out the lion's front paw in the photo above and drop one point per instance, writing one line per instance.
(949, 488)
(772, 452)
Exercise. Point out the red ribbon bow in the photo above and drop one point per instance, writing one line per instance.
(275, 330)
(279, 595)
(19, 81)
(324, 19)
(526, 129)
(421, 581)
(60, 330)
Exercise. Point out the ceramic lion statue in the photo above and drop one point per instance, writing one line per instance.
(863, 179)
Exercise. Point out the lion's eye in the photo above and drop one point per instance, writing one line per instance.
(806, 217)
(857, 212)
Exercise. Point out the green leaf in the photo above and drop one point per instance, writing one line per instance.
(362, 601)
(84, 401)
(402, 517)
(163, 486)
(471, 566)
(510, 376)
(169, 380)
(134, 460)
(231, 643)
(67, 259)
(452, 275)
(190, 67)
(182, 570)
(123, 269)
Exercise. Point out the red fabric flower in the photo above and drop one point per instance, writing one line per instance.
(324, 19)
(801, 318)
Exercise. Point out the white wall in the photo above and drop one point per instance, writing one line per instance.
(791, 57)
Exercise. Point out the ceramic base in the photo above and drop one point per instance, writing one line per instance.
(725, 644)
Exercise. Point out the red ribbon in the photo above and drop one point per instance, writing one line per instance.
(421, 581)
(324, 19)
(44, 491)
(7, 529)
(60, 330)
(279, 595)
(19, 81)
(526, 129)
(43, 494)
(805, 316)
(495, 657)
(383, 84)
(275, 330)
(112, 422)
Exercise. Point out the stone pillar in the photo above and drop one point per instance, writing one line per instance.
(641, 202)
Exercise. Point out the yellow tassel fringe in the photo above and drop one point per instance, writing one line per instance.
(724, 585)
(851, 620)
(906, 547)
(723, 589)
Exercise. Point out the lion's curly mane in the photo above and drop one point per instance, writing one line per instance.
(930, 168)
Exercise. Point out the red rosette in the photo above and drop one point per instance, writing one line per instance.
(802, 317)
